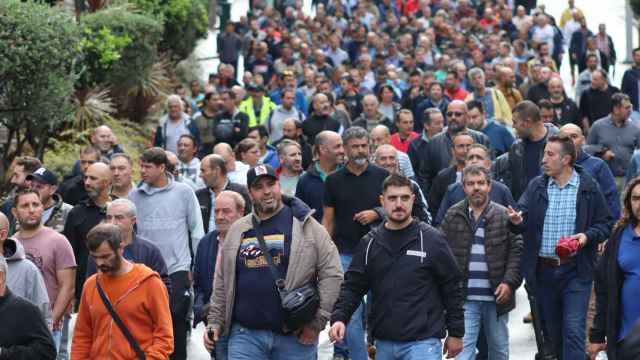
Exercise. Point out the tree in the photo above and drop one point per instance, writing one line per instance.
(38, 46)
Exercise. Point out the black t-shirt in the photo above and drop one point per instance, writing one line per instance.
(257, 302)
(532, 156)
(349, 194)
(397, 239)
(566, 112)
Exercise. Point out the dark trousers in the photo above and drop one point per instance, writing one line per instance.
(180, 306)
(563, 300)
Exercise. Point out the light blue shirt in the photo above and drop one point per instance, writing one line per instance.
(560, 218)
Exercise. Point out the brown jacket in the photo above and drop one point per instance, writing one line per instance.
(313, 257)
(503, 248)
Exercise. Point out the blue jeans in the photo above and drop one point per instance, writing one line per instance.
(61, 339)
(484, 313)
(428, 349)
(249, 344)
(354, 344)
(563, 301)
(222, 348)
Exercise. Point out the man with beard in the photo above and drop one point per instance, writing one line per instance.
(284, 111)
(290, 170)
(122, 212)
(371, 117)
(87, 214)
(506, 83)
(500, 138)
(246, 304)
(205, 121)
(230, 206)
(55, 210)
(565, 110)
(329, 152)
(169, 217)
(51, 253)
(121, 180)
(595, 102)
(72, 189)
(138, 296)
(495, 104)
(231, 124)
(488, 255)
(23, 166)
(437, 155)
(292, 130)
(386, 157)
(391, 262)
(214, 175)
(320, 118)
(351, 201)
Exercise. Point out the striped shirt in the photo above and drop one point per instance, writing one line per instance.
(560, 218)
(478, 286)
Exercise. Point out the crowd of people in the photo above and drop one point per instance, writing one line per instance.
(392, 169)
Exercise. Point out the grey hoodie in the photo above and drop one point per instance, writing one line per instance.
(169, 218)
(24, 278)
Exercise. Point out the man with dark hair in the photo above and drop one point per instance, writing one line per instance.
(488, 255)
(329, 154)
(214, 175)
(564, 204)
(614, 137)
(286, 110)
(87, 214)
(24, 334)
(56, 211)
(189, 165)
(351, 208)
(452, 86)
(547, 114)
(403, 288)
(72, 189)
(22, 167)
(268, 154)
(121, 167)
(351, 96)
(405, 135)
(245, 304)
(432, 123)
(290, 169)
(169, 217)
(292, 130)
(584, 79)
(630, 81)
(51, 253)
(321, 118)
(517, 167)
(595, 102)
(499, 137)
(435, 99)
(205, 121)
(138, 296)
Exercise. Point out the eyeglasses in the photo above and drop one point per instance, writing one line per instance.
(454, 113)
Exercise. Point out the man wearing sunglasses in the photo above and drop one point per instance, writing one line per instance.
(437, 155)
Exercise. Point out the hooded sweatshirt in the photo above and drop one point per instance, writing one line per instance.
(170, 218)
(140, 300)
(25, 280)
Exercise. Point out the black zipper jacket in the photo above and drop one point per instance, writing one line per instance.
(416, 292)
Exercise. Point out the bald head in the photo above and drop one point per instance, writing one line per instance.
(574, 132)
(103, 138)
(380, 135)
(386, 156)
(457, 116)
(97, 181)
(4, 229)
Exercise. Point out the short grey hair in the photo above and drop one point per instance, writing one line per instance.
(354, 132)
(4, 268)
(476, 170)
(132, 211)
(475, 71)
(174, 98)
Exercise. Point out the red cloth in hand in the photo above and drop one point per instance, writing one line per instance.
(567, 247)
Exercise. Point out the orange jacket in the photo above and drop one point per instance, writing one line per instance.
(140, 299)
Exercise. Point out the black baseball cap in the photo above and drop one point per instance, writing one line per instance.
(44, 176)
(259, 171)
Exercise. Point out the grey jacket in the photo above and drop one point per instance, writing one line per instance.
(314, 257)
(25, 280)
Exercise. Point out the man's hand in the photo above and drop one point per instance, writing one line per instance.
(514, 216)
(452, 347)
(307, 335)
(336, 333)
(601, 247)
(608, 155)
(582, 240)
(594, 348)
(210, 342)
(366, 217)
(503, 293)
(57, 324)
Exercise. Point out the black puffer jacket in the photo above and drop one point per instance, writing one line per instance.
(502, 247)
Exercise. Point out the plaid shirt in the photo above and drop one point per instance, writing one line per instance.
(560, 219)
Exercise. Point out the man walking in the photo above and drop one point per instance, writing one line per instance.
(56, 211)
(137, 296)
(169, 217)
(246, 304)
(564, 202)
(290, 170)
(410, 271)
(488, 255)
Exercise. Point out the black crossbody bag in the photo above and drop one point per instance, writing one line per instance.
(127, 334)
(298, 305)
